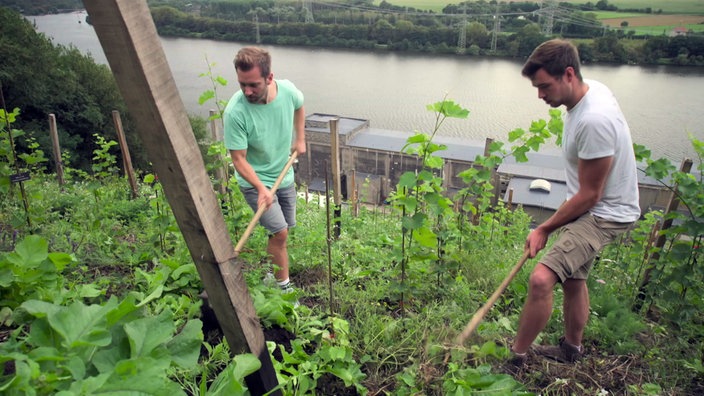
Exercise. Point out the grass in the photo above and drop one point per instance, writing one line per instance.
(664, 29)
(615, 14)
(431, 5)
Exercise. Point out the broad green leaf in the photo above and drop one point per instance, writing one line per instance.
(46, 354)
(206, 96)
(227, 383)
(6, 276)
(125, 309)
(408, 180)
(89, 291)
(520, 154)
(426, 237)
(61, 260)
(88, 386)
(221, 80)
(185, 346)
(515, 134)
(158, 291)
(146, 334)
(418, 138)
(77, 367)
(351, 374)
(42, 335)
(30, 252)
(106, 359)
(434, 162)
(81, 325)
(496, 146)
(144, 376)
(448, 108)
(538, 126)
(39, 309)
(413, 222)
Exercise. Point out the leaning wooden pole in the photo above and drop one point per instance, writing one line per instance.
(125, 149)
(221, 176)
(336, 177)
(53, 131)
(132, 46)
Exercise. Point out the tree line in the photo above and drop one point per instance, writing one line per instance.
(40, 78)
(361, 25)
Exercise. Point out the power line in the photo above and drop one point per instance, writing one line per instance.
(406, 12)
(550, 11)
(497, 28)
(309, 11)
(462, 40)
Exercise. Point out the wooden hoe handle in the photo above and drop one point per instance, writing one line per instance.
(262, 209)
(477, 318)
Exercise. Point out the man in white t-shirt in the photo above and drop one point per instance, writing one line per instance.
(602, 198)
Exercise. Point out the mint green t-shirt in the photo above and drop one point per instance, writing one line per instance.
(265, 131)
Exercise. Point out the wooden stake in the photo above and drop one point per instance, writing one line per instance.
(125, 149)
(336, 179)
(57, 149)
(133, 49)
(221, 174)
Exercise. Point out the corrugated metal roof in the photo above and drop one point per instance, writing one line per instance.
(388, 140)
(547, 164)
(535, 172)
(523, 195)
(345, 125)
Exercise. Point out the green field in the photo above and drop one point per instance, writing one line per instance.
(658, 30)
(432, 5)
(615, 14)
(669, 6)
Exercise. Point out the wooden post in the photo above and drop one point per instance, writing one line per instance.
(221, 171)
(335, 164)
(57, 149)
(672, 205)
(494, 176)
(510, 199)
(133, 49)
(125, 149)
(355, 197)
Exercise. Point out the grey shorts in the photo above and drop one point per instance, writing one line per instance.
(282, 212)
(572, 255)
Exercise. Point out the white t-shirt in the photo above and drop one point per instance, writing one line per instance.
(596, 128)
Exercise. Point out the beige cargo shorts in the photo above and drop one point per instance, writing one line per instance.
(572, 255)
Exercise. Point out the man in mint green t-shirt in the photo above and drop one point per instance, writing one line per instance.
(259, 122)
